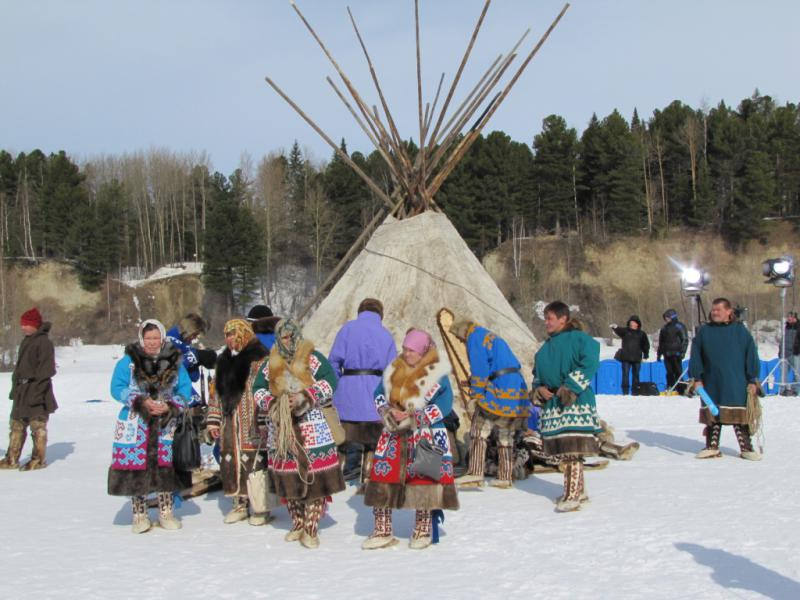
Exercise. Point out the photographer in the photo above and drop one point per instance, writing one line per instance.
(635, 346)
(673, 340)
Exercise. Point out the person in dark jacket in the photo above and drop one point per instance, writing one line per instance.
(31, 393)
(673, 340)
(791, 350)
(263, 322)
(635, 346)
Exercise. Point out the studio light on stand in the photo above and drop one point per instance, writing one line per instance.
(694, 281)
(780, 273)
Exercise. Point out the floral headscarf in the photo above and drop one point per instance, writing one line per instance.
(242, 333)
(287, 350)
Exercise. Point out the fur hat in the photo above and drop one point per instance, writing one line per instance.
(372, 305)
(259, 311)
(192, 325)
(460, 327)
(31, 318)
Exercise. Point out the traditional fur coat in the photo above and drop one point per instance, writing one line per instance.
(312, 470)
(423, 391)
(141, 460)
(233, 408)
(31, 383)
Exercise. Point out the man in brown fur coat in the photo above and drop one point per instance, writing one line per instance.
(31, 393)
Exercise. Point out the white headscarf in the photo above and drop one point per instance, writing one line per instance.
(158, 324)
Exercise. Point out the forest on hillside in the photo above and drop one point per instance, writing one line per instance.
(723, 170)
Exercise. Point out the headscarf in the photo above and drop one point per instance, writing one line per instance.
(419, 341)
(242, 333)
(287, 350)
(161, 330)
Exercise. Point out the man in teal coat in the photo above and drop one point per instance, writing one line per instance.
(725, 362)
(563, 369)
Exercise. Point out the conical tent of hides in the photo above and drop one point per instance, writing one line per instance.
(415, 262)
(416, 266)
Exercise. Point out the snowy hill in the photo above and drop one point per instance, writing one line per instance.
(664, 525)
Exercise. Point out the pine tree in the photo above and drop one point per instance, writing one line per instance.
(555, 156)
(233, 245)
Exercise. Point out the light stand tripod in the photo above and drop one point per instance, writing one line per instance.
(783, 363)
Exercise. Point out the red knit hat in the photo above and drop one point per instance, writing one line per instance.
(32, 318)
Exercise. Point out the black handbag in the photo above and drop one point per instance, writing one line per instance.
(186, 444)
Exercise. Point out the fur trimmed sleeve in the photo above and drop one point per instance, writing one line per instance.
(321, 391)
(214, 416)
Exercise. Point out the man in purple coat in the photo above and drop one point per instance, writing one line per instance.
(363, 348)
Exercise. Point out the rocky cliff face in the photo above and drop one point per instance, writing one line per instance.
(637, 275)
(604, 283)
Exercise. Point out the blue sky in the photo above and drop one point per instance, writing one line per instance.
(110, 76)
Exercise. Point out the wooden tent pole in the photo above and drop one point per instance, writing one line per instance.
(468, 140)
(490, 73)
(389, 120)
(346, 258)
(343, 155)
(378, 146)
(460, 70)
(348, 84)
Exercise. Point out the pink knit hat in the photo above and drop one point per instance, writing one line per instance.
(418, 341)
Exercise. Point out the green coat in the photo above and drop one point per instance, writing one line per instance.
(725, 358)
(569, 358)
(31, 385)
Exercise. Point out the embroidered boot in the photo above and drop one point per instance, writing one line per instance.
(382, 536)
(16, 440)
(505, 467)
(745, 443)
(238, 512)
(166, 518)
(39, 435)
(141, 522)
(477, 463)
(421, 537)
(711, 450)
(571, 500)
(297, 512)
(313, 514)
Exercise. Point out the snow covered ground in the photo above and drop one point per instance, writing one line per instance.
(664, 525)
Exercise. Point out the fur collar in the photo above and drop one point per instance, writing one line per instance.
(155, 374)
(406, 385)
(232, 372)
(572, 324)
(299, 367)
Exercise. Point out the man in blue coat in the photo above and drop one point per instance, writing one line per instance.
(501, 400)
(725, 362)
